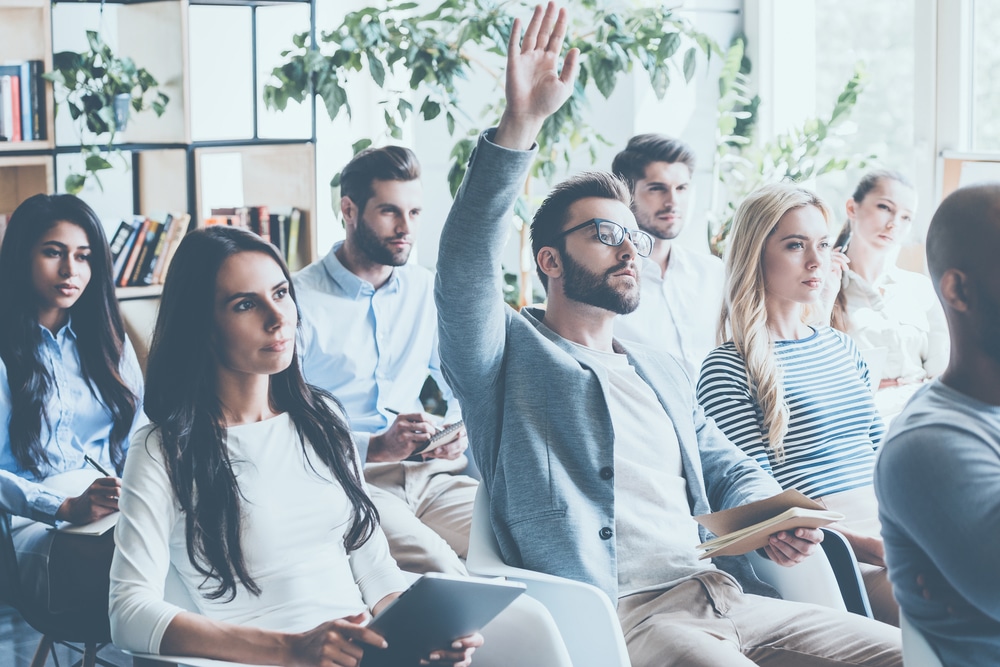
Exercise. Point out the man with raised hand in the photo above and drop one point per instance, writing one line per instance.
(682, 290)
(369, 337)
(937, 477)
(597, 458)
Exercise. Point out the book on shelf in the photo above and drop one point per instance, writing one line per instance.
(22, 101)
(171, 239)
(280, 225)
(133, 252)
(748, 527)
(142, 249)
(7, 130)
(146, 254)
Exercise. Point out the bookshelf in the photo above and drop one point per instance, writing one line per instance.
(167, 154)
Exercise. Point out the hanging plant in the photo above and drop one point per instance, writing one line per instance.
(433, 48)
(100, 89)
(741, 166)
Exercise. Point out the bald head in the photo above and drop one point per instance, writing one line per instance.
(965, 232)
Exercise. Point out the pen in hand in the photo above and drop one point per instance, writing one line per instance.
(96, 466)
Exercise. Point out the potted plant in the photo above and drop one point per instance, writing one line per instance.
(424, 51)
(100, 89)
(742, 165)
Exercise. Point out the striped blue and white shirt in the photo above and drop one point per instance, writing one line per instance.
(834, 428)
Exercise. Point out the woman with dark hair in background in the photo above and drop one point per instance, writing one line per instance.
(70, 387)
(246, 483)
(892, 314)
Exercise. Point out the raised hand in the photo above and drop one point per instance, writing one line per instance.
(535, 87)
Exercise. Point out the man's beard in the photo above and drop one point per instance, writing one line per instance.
(585, 286)
(376, 248)
(647, 223)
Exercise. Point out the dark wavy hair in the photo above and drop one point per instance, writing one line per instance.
(97, 323)
(182, 402)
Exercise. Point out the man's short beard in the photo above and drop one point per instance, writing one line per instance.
(582, 285)
(375, 248)
(645, 224)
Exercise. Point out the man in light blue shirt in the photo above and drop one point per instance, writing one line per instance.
(369, 336)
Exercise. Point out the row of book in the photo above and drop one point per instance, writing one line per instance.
(22, 101)
(279, 225)
(143, 247)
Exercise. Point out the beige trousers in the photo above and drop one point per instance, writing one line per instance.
(709, 621)
(426, 512)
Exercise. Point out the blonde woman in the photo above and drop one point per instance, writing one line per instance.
(797, 398)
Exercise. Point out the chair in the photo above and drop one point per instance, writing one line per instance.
(64, 629)
(917, 652)
(830, 578)
(583, 613)
(588, 621)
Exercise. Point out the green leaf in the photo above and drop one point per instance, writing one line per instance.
(690, 58)
(430, 109)
(95, 162)
(356, 148)
(669, 44)
(376, 69)
(74, 183)
(450, 120)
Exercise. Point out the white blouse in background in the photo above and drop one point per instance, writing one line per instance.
(900, 328)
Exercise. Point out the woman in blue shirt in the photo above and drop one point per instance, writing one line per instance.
(796, 398)
(70, 387)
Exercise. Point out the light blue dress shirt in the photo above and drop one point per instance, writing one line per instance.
(372, 349)
(79, 423)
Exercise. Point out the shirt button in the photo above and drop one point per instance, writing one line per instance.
(607, 472)
(606, 533)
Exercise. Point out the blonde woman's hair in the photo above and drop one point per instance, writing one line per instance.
(744, 313)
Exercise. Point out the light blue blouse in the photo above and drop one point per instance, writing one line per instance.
(79, 423)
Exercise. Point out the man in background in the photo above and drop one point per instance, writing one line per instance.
(938, 475)
(597, 456)
(682, 291)
(369, 337)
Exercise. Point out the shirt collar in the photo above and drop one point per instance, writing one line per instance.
(351, 285)
(66, 331)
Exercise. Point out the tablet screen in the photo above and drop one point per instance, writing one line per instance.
(435, 611)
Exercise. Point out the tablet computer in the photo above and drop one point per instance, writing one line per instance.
(435, 611)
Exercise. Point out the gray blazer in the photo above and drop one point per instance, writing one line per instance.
(537, 413)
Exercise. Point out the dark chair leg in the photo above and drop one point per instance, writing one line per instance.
(89, 655)
(42, 652)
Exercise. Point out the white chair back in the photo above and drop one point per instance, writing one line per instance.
(917, 652)
(583, 613)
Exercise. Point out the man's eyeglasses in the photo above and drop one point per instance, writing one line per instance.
(612, 234)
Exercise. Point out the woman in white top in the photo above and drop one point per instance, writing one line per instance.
(70, 388)
(244, 491)
(893, 315)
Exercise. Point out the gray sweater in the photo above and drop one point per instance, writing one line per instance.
(537, 411)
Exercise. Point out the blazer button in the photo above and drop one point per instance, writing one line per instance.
(607, 472)
(606, 533)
